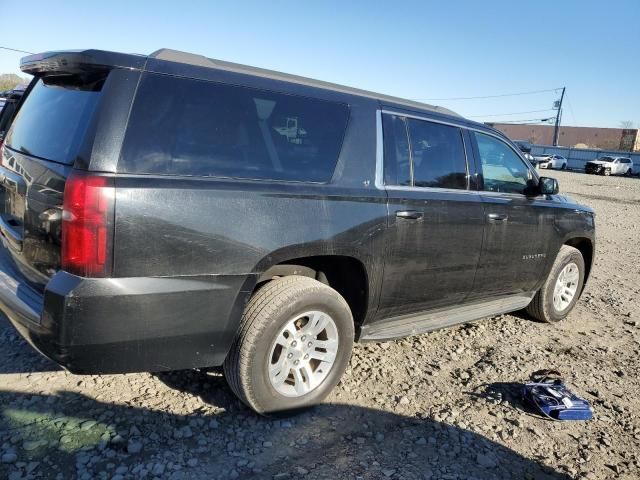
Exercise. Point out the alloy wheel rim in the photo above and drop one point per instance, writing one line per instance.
(303, 353)
(566, 287)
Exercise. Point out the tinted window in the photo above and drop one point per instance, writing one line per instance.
(423, 154)
(190, 127)
(438, 155)
(502, 169)
(54, 118)
(397, 162)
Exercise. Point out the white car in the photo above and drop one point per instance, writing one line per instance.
(606, 165)
(552, 161)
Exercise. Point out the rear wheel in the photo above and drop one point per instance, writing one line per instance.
(292, 347)
(563, 286)
(630, 173)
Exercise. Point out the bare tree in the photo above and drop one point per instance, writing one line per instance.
(626, 124)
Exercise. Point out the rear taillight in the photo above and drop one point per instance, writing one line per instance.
(87, 225)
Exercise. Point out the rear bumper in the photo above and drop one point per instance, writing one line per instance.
(123, 325)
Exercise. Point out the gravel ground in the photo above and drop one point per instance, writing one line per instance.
(443, 405)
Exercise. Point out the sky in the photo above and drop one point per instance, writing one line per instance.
(428, 50)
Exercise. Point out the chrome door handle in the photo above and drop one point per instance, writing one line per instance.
(497, 217)
(409, 214)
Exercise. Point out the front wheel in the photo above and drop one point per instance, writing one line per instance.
(561, 290)
(293, 345)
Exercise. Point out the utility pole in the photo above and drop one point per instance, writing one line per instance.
(556, 130)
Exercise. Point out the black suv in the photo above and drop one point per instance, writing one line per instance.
(171, 211)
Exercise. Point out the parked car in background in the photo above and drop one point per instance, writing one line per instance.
(607, 165)
(525, 147)
(170, 211)
(557, 162)
(8, 107)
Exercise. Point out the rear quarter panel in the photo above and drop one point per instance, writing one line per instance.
(187, 226)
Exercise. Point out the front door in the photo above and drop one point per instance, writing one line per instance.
(436, 222)
(518, 223)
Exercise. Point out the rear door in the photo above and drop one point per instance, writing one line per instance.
(435, 221)
(49, 133)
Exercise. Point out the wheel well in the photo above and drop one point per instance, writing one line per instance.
(586, 249)
(344, 274)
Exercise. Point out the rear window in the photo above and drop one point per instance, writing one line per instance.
(54, 118)
(190, 127)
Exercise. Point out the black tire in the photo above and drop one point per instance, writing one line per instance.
(564, 166)
(541, 307)
(270, 308)
(630, 173)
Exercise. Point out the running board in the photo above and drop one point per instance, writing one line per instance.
(415, 324)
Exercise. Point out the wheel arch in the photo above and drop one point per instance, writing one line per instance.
(345, 274)
(586, 248)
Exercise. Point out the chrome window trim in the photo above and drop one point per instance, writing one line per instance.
(379, 174)
(466, 127)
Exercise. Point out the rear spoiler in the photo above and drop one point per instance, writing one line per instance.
(79, 61)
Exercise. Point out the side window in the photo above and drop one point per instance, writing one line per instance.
(423, 154)
(438, 155)
(502, 170)
(182, 126)
(397, 161)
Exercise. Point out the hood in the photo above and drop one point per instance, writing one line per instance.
(574, 204)
(599, 162)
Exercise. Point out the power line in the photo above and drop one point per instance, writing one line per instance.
(571, 110)
(514, 113)
(16, 50)
(530, 120)
(489, 96)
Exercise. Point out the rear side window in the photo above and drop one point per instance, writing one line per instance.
(181, 126)
(397, 160)
(55, 117)
(438, 155)
(423, 154)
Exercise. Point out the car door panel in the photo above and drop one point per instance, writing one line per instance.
(518, 224)
(435, 233)
(515, 246)
(430, 262)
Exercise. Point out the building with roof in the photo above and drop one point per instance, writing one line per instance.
(577, 137)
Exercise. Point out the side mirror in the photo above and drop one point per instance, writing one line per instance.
(548, 186)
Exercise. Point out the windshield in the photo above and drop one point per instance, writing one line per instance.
(606, 159)
(53, 120)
